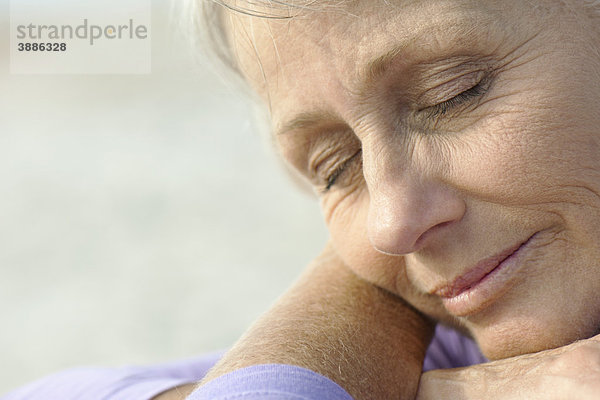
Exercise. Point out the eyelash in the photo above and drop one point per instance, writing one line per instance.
(435, 111)
(332, 178)
(461, 98)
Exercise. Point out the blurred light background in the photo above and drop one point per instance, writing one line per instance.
(142, 217)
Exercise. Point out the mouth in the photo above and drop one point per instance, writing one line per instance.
(488, 280)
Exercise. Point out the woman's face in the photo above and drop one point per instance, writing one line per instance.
(455, 147)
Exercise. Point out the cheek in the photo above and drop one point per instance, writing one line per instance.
(346, 218)
(527, 159)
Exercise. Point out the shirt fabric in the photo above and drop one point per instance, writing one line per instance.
(448, 349)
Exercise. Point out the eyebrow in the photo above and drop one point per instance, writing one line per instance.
(377, 67)
(306, 120)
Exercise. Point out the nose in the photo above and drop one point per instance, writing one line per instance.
(407, 211)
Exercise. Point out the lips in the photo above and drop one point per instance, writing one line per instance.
(483, 282)
(476, 274)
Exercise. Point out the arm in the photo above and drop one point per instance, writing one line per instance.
(331, 322)
(569, 372)
(368, 341)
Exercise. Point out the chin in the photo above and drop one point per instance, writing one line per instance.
(527, 334)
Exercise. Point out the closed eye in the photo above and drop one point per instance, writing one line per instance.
(464, 97)
(339, 170)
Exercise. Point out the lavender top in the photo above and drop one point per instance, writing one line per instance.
(448, 349)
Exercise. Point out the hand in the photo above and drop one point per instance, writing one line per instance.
(570, 372)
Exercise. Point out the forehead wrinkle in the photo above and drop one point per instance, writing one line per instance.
(426, 38)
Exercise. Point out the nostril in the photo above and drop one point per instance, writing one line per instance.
(420, 242)
(394, 239)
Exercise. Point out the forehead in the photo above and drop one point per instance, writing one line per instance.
(321, 54)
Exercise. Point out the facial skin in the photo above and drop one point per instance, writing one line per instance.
(439, 133)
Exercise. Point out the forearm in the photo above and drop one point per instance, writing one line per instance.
(331, 322)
